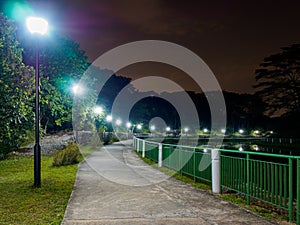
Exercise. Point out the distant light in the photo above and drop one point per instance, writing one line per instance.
(241, 148)
(109, 118)
(168, 128)
(186, 129)
(205, 150)
(271, 132)
(139, 126)
(98, 110)
(241, 131)
(77, 89)
(223, 131)
(205, 130)
(118, 122)
(128, 124)
(152, 127)
(256, 132)
(256, 148)
(37, 25)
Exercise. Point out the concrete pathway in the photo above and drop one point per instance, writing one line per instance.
(113, 186)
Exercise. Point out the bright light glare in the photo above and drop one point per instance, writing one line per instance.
(271, 132)
(241, 148)
(223, 131)
(37, 25)
(168, 129)
(128, 124)
(205, 130)
(241, 131)
(152, 127)
(139, 126)
(118, 122)
(98, 110)
(77, 89)
(109, 118)
(186, 129)
(256, 131)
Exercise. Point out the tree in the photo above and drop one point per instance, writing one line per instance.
(16, 87)
(62, 64)
(279, 81)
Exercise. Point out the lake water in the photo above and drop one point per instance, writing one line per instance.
(246, 144)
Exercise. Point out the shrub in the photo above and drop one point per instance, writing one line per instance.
(69, 155)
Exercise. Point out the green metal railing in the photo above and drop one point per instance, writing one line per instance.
(262, 176)
(151, 151)
(270, 178)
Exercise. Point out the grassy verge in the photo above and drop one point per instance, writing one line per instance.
(264, 210)
(21, 203)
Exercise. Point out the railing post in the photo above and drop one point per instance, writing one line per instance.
(194, 162)
(290, 189)
(298, 193)
(144, 148)
(137, 145)
(160, 155)
(215, 169)
(248, 178)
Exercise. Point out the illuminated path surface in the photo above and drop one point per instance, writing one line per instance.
(99, 200)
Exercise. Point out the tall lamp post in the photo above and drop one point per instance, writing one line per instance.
(37, 25)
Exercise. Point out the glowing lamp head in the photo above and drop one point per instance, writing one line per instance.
(109, 118)
(186, 129)
(37, 25)
(241, 131)
(118, 122)
(205, 130)
(139, 126)
(77, 89)
(168, 129)
(98, 110)
(223, 131)
(128, 125)
(152, 127)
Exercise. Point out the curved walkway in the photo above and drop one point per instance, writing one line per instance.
(118, 191)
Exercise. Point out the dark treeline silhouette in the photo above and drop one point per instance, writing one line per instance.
(244, 111)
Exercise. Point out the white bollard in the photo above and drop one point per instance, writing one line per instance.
(144, 148)
(160, 155)
(215, 170)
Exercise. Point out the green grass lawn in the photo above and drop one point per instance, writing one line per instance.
(21, 203)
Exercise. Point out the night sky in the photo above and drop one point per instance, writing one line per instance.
(232, 37)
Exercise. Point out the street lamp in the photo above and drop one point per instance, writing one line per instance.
(98, 110)
(118, 122)
(128, 125)
(40, 26)
(77, 89)
(152, 128)
(109, 118)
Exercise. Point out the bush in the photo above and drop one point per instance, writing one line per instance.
(69, 155)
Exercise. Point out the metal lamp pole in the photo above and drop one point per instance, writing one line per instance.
(37, 147)
(40, 26)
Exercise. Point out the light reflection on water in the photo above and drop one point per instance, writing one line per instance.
(248, 145)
